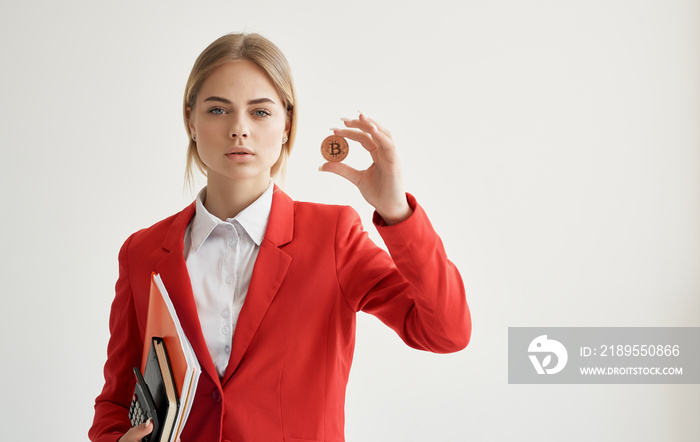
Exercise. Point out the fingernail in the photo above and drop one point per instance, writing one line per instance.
(320, 168)
(345, 119)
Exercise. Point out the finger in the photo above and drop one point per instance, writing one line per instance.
(381, 154)
(381, 137)
(366, 123)
(377, 125)
(361, 137)
(142, 430)
(135, 434)
(347, 172)
(358, 123)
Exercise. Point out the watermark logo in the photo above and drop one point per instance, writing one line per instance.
(604, 355)
(542, 345)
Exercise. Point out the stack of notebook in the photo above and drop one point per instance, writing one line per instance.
(170, 369)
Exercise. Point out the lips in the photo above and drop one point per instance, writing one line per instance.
(240, 150)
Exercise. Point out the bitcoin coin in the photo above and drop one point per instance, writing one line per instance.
(334, 148)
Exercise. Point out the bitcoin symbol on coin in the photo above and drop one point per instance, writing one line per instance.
(334, 148)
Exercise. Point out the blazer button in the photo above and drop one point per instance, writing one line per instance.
(216, 395)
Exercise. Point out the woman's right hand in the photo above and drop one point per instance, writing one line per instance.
(135, 434)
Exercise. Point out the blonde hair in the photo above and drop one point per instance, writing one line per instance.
(256, 49)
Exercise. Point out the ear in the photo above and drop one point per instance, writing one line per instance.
(190, 120)
(288, 125)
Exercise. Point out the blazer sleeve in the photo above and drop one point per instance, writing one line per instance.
(416, 291)
(123, 353)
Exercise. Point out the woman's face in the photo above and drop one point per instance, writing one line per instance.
(239, 124)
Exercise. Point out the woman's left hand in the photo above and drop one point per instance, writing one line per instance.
(381, 183)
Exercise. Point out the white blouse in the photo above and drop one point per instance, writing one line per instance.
(220, 256)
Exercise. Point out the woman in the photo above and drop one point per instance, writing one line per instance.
(267, 288)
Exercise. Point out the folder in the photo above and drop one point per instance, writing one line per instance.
(162, 322)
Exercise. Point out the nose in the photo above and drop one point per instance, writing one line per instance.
(239, 127)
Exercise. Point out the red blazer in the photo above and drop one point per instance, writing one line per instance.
(293, 344)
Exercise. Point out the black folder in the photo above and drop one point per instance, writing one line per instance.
(159, 379)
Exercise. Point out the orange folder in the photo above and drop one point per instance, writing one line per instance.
(162, 322)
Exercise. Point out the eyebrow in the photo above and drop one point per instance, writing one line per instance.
(227, 101)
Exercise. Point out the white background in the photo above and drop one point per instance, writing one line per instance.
(554, 144)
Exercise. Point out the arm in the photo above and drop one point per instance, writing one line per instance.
(123, 353)
(416, 291)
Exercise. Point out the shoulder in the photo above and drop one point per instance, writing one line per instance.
(328, 214)
(159, 233)
(320, 209)
(303, 222)
(283, 205)
(325, 224)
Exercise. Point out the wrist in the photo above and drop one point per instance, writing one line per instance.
(400, 212)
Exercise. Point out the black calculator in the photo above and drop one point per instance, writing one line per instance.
(142, 406)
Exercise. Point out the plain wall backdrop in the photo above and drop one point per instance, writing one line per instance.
(554, 144)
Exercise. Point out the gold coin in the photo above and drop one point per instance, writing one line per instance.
(334, 148)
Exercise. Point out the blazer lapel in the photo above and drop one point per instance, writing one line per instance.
(269, 271)
(173, 271)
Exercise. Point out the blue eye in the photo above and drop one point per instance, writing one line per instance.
(217, 111)
(262, 113)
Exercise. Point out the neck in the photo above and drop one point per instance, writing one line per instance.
(227, 198)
